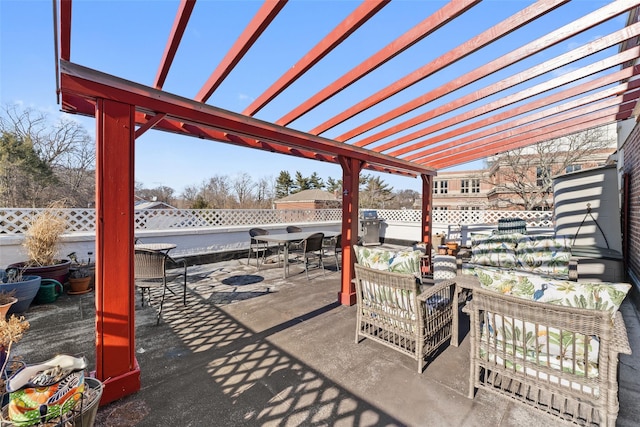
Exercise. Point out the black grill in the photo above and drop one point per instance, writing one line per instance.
(370, 226)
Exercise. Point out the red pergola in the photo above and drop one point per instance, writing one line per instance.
(412, 138)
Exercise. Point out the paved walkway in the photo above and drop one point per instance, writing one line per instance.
(252, 349)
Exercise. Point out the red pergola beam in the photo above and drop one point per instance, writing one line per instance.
(555, 83)
(340, 33)
(500, 148)
(84, 82)
(531, 106)
(65, 30)
(502, 85)
(444, 15)
(508, 130)
(482, 149)
(265, 15)
(179, 25)
(588, 21)
(606, 98)
(489, 36)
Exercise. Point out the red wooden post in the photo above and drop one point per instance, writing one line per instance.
(427, 223)
(116, 365)
(350, 185)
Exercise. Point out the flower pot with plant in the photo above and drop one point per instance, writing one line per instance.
(81, 274)
(24, 288)
(7, 299)
(41, 243)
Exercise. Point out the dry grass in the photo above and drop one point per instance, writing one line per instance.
(43, 235)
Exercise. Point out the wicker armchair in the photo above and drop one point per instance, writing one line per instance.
(150, 271)
(393, 312)
(514, 352)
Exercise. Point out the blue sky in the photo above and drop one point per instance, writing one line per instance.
(127, 38)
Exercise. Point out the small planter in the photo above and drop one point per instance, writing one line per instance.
(4, 309)
(79, 285)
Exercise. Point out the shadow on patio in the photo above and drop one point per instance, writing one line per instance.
(278, 352)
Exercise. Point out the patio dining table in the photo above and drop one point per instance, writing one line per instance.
(285, 238)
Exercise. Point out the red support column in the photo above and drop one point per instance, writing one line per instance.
(116, 365)
(427, 202)
(350, 186)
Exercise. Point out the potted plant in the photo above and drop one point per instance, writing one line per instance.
(41, 243)
(7, 299)
(81, 274)
(11, 331)
(24, 288)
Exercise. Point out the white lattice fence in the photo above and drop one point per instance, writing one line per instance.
(16, 221)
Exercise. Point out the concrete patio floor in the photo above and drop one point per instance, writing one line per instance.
(253, 349)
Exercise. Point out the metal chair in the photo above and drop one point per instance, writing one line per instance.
(257, 245)
(333, 246)
(150, 271)
(312, 248)
(294, 246)
(293, 229)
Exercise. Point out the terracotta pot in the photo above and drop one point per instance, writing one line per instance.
(4, 308)
(80, 284)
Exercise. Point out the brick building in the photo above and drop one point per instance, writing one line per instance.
(494, 187)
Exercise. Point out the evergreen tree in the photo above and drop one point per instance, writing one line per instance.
(300, 183)
(315, 182)
(284, 185)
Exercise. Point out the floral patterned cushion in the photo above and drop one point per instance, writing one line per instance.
(544, 254)
(404, 261)
(377, 259)
(498, 250)
(597, 296)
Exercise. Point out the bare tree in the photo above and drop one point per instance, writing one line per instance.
(526, 174)
(65, 147)
(243, 189)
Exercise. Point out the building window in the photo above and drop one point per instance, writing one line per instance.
(475, 185)
(542, 175)
(469, 186)
(469, 208)
(573, 168)
(441, 187)
(439, 208)
(464, 186)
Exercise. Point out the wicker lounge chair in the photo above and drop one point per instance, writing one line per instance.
(392, 312)
(516, 350)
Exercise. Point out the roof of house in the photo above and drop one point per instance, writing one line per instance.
(309, 196)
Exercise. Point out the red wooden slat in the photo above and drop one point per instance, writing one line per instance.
(252, 32)
(504, 84)
(498, 148)
(151, 122)
(555, 83)
(492, 146)
(65, 30)
(447, 13)
(471, 76)
(509, 129)
(521, 109)
(179, 25)
(607, 97)
(505, 27)
(350, 24)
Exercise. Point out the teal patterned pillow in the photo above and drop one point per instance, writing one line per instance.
(544, 254)
(498, 250)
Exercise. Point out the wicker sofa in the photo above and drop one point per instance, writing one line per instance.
(392, 310)
(535, 254)
(548, 343)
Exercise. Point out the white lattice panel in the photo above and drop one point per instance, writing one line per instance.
(16, 221)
